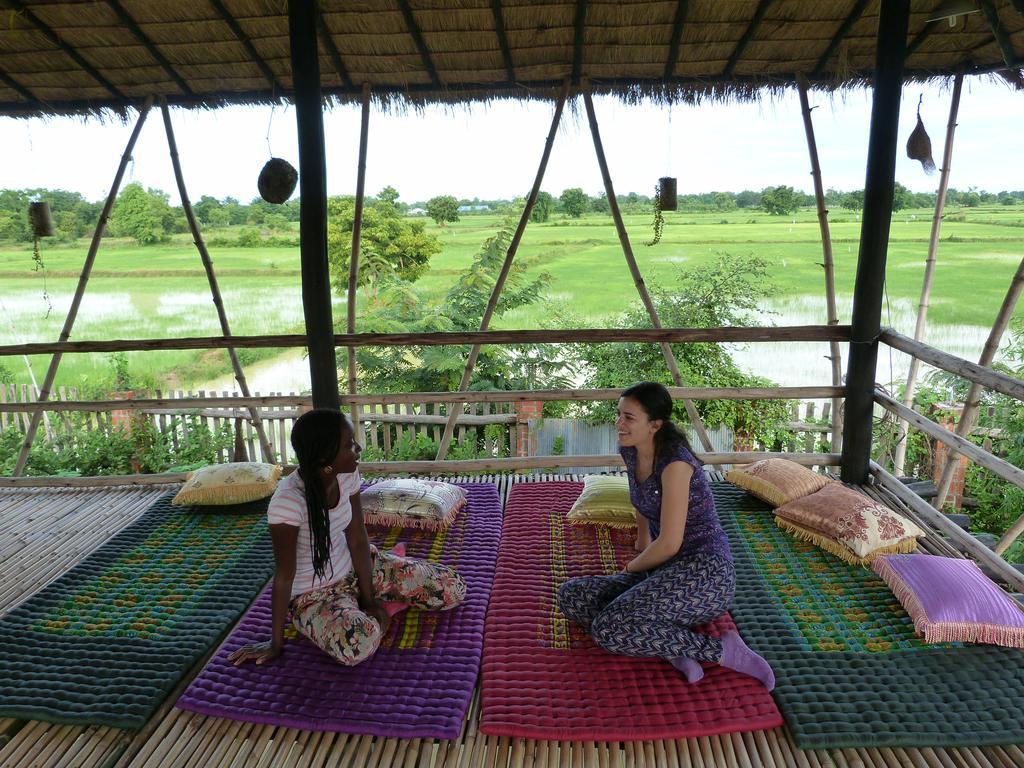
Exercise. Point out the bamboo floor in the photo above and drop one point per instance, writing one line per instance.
(50, 529)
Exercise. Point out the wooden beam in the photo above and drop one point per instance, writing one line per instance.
(578, 41)
(963, 540)
(890, 47)
(923, 35)
(14, 85)
(988, 10)
(973, 372)
(421, 44)
(499, 29)
(958, 444)
(332, 51)
(677, 34)
(150, 46)
(83, 280)
(394, 398)
(316, 284)
(52, 37)
(243, 38)
(844, 30)
(762, 8)
(562, 336)
(353, 260)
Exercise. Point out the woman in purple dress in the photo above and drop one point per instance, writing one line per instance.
(683, 574)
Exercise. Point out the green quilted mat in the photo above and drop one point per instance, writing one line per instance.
(849, 670)
(105, 643)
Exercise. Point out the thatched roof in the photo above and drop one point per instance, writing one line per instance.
(82, 56)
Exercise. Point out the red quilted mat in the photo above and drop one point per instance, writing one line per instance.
(544, 678)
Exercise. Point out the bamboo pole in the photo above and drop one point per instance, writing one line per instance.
(559, 336)
(211, 277)
(499, 283)
(353, 262)
(83, 280)
(634, 270)
(973, 399)
(929, 271)
(166, 406)
(979, 374)
(827, 264)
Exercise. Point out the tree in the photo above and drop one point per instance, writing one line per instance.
(723, 293)
(724, 201)
(574, 202)
(205, 207)
(392, 248)
(442, 209)
(599, 203)
(748, 199)
(141, 214)
(853, 201)
(901, 197)
(542, 208)
(779, 201)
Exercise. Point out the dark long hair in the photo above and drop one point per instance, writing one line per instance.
(316, 438)
(657, 404)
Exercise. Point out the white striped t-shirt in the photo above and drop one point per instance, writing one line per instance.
(288, 507)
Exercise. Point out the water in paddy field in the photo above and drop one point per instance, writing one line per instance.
(794, 364)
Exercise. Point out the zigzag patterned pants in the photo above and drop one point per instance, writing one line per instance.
(653, 613)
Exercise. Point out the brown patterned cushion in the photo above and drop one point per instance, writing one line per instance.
(848, 524)
(777, 481)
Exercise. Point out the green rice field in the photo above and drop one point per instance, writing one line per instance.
(161, 291)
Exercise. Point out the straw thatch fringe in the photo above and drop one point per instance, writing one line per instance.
(840, 550)
(946, 631)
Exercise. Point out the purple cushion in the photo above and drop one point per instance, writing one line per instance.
(951, 600)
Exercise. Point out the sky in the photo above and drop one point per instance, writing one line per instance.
(492, 151)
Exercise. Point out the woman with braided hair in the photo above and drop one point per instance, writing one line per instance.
(683, 574)
(338, 588)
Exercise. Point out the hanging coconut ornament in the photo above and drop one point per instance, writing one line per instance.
(919, 145)
(277, 180)
(667, 194)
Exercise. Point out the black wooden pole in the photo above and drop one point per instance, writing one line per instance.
(891, 45)
(316, 284)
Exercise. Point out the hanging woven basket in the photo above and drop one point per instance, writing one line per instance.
(667, 194)
(39, 216)
(277, 180)
(919, 145)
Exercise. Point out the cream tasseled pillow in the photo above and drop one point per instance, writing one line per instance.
(234, 483)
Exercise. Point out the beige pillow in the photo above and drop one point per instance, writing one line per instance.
(777, 481)
(848, 524)
(604, 501)
(233, 483)
(412, 503)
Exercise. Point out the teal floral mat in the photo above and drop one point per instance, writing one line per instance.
(107, 641)
(849, 670)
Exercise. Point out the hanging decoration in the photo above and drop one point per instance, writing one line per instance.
(659, 220)
(919, 145)
(42, 226)
(277, 180)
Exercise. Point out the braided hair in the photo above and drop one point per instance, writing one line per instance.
(657, 404)
(316, 439)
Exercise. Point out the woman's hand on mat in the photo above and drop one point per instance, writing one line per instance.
(258, 652)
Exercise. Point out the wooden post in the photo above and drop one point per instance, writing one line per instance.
(211, 277)
(316, 284)
(353, 262)
(891, 45)
(929, 271)
(634, 270)
(973, 399)
(827, 263)
(76, 301)
(454, 409)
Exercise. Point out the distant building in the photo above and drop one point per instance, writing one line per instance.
(416, 212)
(473, 208)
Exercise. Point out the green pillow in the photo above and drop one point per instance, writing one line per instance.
(604, 501)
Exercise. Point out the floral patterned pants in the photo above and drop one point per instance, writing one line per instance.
(331, 618)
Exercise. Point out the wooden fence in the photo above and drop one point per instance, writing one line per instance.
(386, 426)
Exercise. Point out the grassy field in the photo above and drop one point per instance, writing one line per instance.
(161, 291)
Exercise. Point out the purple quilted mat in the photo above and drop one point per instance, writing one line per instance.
(419, 682)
